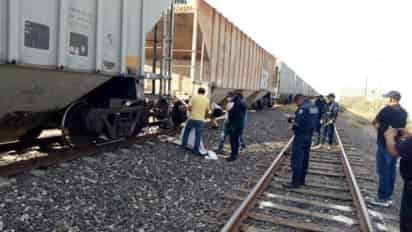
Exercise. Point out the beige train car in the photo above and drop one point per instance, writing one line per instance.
(210, 51)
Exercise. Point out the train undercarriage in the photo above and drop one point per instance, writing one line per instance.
(105, 110)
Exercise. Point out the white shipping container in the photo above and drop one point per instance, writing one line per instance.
(287, 80)
(80, 35)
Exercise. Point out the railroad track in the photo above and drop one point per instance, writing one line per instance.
(332, 199)
(52, 156)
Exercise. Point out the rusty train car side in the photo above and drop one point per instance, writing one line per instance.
(211, 51)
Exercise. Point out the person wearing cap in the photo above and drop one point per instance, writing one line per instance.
(320, 103)
(303, 126)
(329, 119)
(391, 116)
(236, 122)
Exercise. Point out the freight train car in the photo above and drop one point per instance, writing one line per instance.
(291, 84)
(287, 83)
(210, 51)
(75, 65)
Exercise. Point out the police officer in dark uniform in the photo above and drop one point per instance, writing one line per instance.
(303, 127)
(399, 144)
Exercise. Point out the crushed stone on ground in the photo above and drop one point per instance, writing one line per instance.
(154, 187)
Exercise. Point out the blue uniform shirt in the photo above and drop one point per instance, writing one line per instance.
(306, 117)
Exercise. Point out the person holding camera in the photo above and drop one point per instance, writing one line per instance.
(304, 125)
(399, 144)
(392, 115)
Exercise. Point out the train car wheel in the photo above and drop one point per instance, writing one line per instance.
(74, 126)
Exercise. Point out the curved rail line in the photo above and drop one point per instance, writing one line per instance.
(244, 211)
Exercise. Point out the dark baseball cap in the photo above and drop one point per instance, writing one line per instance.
(393, 94)
(332, 95)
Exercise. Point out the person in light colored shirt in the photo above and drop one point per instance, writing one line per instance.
(199, 108)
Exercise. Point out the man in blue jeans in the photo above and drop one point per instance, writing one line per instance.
(199, 107)
(391, 116)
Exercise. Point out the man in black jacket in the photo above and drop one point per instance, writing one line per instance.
(235, 124)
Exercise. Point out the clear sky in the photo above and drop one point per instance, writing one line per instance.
(333, 43)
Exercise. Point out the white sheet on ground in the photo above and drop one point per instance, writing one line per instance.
(208, 154)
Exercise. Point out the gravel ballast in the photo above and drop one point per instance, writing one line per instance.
(151, 187)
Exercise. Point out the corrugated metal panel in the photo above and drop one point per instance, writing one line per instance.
(236, 60)
(299, 85)
(81, 35)
(287, 84)
(111, 34)
(3, 30)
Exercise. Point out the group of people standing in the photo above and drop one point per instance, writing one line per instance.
(233, 126)
(393, 142)
(319, 117)
(328, 111)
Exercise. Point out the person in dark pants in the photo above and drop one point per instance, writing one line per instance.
(392, 115)
(330, 117)
(303, 127)
(320, 103)
(399, 144)
(235, 124)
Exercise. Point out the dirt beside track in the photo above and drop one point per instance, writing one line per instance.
(151, 187)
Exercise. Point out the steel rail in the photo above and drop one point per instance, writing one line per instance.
(362, 210)
(69, 155)
(241, 213)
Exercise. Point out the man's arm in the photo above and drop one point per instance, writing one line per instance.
(390, 135)
(402, 148)
(189, 106)
(300, 118)
(378, 119)
(208, 109)
(375, 123)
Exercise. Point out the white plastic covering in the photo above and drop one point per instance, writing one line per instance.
(81, 35)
